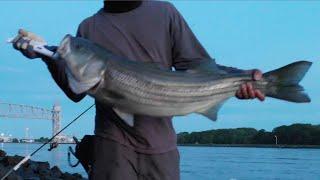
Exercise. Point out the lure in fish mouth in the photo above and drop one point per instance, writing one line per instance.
(133, 87)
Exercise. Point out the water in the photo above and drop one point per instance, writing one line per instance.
(220, 163)
(249, 163)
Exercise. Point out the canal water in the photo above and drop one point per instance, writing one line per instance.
(210, 163)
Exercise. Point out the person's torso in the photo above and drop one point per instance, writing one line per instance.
(139, 35)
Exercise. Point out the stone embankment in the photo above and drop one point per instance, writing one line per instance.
(32, 170)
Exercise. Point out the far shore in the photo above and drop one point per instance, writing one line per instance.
(30, 143)
(254, 145)
(222, 145)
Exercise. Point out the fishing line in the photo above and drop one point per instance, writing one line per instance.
(25, 159)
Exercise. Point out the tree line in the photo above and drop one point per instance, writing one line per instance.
(295, 134)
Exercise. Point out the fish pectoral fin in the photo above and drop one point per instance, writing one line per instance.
(80, 87)
(126, 117)
(212, 112)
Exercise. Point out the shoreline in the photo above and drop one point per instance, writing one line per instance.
(31, 143)
(224, 145)
(254, 146)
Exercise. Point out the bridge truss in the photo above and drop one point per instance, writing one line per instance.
(19, 111)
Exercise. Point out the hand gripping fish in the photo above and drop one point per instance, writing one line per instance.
(132, 87)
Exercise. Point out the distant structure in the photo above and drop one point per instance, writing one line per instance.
(56, 119)
(27, 139)
(4, 138)
(18, 111)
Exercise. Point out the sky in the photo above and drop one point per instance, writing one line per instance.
(243, 34)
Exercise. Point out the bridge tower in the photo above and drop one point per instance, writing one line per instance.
(56, 120)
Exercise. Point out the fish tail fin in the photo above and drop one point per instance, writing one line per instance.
(283, 83)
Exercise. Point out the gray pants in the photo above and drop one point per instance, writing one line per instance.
(116, 162)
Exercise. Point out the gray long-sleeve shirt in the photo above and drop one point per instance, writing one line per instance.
(153, 32)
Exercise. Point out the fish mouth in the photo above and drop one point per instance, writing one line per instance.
(64, 47)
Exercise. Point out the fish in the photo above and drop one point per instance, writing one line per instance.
(133, 87)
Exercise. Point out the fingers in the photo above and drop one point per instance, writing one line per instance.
(259, 95)
(23, 44)
(31, 36)
(17, 43)
(244, 91)
(257, 75)
(29, 52)
(250, 90)
(239, 94)
(247, 91)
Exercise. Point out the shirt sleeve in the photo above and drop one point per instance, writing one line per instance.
(57, 71)
(187, 51)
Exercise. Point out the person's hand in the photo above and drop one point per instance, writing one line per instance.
(246, 90)
(24, 42)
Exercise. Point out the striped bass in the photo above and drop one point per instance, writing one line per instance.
(132, 87)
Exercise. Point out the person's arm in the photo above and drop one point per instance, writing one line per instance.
(55, 67)
(187, 51)
(57, 71)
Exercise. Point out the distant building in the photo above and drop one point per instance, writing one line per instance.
(27, 140)
(4, 138)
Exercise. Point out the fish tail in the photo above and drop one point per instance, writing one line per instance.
(283, 83)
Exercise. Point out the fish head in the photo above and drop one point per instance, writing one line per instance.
(72, 48)
(84, 62)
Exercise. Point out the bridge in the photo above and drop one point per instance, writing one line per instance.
(19, 111)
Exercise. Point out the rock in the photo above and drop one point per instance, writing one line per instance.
(3, 170)
(32, 170)
(68, 176)
(47, 177)
(44, 172)
(56, 172)
(43, 169)
(14, 176)
(29, 173)
(43, 166)
(51, 178)
(2, 153)
(76, 175)
(11, 160)
(1, 166)
(31, 178)
(33, 165)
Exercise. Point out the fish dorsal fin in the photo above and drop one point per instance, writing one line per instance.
(212, 112)
(126, 117)
(204, 66)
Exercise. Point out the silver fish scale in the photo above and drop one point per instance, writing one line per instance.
(149, 84)
(147, 92)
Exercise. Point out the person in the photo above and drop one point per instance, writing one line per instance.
(148, 31)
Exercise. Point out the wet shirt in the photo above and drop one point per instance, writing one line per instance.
(154, 32)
